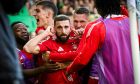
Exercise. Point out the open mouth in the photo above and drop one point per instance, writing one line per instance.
(37, 20)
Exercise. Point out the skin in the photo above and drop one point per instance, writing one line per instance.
(21, 33)
(44, 17)
(62, 29)
(41, 16)
(80, 20)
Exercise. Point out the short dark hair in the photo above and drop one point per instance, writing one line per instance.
(49, 5)
(13, 24)
(61, 18)
(82, 10)
(107, 7)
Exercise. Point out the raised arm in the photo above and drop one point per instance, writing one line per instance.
(32, 45)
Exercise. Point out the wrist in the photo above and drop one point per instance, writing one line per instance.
(46, 33)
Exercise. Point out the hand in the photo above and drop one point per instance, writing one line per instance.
(51, 67)
(49, 30)
(75, 32)
(78, 32)
(63, 65)
(45, 56)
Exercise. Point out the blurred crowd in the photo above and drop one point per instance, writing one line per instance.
(67, 7)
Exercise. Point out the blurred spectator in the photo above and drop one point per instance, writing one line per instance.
(67, 6)
(94, 15)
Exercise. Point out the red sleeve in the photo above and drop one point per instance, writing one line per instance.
(39, 28)
(82, 41)
(90, 47)
(62, 57)
(43, 46)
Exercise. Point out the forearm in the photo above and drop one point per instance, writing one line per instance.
(33, 72)
(31, 45)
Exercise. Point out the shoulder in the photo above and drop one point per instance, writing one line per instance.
(90, 24)
(94, 27)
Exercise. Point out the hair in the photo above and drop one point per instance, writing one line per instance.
(48, 5)
(61, 18)
(82, 10)
(107, 7)
(18, 22)
(13, 24)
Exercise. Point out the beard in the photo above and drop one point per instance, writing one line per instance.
(61, 38)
